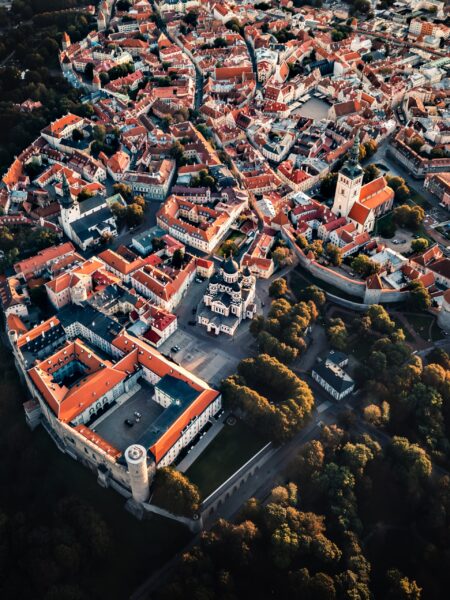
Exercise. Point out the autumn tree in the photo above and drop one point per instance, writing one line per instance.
(175, 493)
(364, 266)
(278, 288)
(334, 254)
(419, 245)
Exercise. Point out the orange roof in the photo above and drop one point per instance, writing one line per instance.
(170, 437)
(35, 263)
(15, 323)
(371, 188)
(119, 263)
(374, 282)
(68, 403)
(58, 126)
(158, 364)
(62, 282)
(37, 331)
(359, 213)
(379, 198)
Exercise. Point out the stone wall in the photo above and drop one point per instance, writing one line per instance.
(348, 285)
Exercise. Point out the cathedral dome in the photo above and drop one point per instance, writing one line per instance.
(230, 266)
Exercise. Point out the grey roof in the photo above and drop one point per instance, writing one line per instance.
(88, 227)
(40, 346)
(91, 318)
(336, 357)
(338, 379)
(182, 394)
(91, 203)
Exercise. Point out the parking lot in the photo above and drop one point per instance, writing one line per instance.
(113, 428)
(401, 242)
(200, 355)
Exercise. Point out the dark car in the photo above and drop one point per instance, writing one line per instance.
(128, 423)
(194, 310)
(192, 322)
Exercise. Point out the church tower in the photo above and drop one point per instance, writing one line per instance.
(70, 210)
(349, 182)
(65, 41)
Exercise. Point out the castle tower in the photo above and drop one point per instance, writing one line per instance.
(349, 182)
(136, 457)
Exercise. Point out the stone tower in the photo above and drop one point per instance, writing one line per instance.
(70, 210)
(136, 457)
(349, 182)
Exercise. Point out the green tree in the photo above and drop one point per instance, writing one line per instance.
(177, 258)
(328, 185)
(380, 319)
(410, 461)
(419, 296)
(337, 334)
(315, 294)
(419, 245)
(371, 172)
(365, 267)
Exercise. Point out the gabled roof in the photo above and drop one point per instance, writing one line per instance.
(359, 213)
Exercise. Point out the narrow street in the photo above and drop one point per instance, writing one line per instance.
(198, 101)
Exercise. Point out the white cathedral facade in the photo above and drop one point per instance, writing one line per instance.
(229, 299)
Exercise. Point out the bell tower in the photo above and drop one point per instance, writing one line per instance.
(70, 209)
(349, 182)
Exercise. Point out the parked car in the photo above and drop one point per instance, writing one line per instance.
(175, 349)
(128, 423)
(194, 310)
(192, 323)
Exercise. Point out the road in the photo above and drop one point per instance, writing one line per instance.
(252, 55)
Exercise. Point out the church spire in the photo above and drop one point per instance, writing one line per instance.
(352, 168)
(66, 200)
(354, 152)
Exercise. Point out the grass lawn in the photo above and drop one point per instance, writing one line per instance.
(384, 221)
(228, 451)
(436, 332)
(299, 279)
(421, 324)
(408, 336)
(236, 237)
